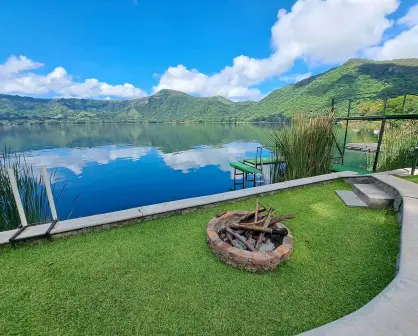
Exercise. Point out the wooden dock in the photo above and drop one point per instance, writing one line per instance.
(365, 147)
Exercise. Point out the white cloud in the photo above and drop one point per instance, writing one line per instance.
(14, 65)
(15, 78)
(404, 45)
(318, 31)
(294, 78)
(411, 18)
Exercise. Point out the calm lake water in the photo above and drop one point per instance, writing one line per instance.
(109, 167)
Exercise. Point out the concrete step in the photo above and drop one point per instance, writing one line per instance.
(373, 196)
(350, 198)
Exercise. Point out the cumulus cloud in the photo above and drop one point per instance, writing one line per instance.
(315, 31)
(318, 31)
(404, 45)
(16, 78)
(411, 18)
(294, 78)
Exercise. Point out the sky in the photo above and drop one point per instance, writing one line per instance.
(239, 49)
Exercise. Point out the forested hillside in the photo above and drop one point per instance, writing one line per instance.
(367, 81)
(363, 81)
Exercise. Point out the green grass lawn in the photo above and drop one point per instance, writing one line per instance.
(160, 278)
(410, 178)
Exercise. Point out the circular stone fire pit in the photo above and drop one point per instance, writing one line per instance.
(239, 257)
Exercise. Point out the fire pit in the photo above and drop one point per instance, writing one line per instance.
(255, 241)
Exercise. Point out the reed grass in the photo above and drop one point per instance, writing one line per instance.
(31, 188)
(306, 147)
(397, 147)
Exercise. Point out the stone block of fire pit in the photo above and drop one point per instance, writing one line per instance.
(243, 258)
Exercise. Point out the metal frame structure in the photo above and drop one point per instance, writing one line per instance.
(24, 223)
(383, 118)
(245, 179)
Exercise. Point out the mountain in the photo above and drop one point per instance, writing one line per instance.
(369, 81)
(361, 80)
(166, 105)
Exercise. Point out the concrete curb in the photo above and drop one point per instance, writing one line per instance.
(117, 218)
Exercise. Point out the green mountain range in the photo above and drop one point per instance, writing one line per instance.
(366, 82)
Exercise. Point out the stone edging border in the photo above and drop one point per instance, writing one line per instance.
(394, 311)
(117, 218)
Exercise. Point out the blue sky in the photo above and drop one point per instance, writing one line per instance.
(236, 48)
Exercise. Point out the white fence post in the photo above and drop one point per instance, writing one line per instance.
(51, 202)
(16, 195)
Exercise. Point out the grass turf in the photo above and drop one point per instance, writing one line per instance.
(410, 178)
(160, 278)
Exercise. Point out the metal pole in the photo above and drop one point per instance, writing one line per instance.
(415, 161)
(382, 130)
(403, 104)
(16, 195)
(47, 184)
(332, 105)
(346, 131)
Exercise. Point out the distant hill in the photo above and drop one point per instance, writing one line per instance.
(166, 105)
(354, 78)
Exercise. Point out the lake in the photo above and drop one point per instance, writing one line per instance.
(110, 167)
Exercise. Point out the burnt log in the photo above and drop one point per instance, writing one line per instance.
(241, 239)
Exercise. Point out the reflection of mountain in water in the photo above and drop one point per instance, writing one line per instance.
(167, 137)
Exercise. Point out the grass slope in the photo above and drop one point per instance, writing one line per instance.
(160, 278)
(314, 94)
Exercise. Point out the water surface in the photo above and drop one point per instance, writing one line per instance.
(109, 167)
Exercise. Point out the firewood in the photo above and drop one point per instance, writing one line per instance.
(250, 214)
(265, 226)
(256, 211)
(231, 240)
(241, 239)
(251, 227)
(280, 219)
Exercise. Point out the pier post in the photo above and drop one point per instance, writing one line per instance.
(17, 198)
(48, 189)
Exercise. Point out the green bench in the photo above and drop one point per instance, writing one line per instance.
(244, 168)
(264, 161)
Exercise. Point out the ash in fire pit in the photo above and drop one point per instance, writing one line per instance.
(251, 240)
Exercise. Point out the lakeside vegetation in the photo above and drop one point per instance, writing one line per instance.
(31, 189)
(125, 281)
(306, 147)
(312, 95)
(399, 141)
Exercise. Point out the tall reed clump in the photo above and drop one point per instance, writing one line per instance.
(306, 147)
(31, 189)
(397, 147)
